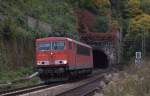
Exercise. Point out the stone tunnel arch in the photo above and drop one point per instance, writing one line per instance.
(100, 59)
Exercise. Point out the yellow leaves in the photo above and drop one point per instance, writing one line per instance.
(114, 25)
(134, 7)
(140, 21)
(134, 3)
(102, 3)
(103, 6)
(137, 25)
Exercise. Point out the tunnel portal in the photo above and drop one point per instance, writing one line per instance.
(100, 59)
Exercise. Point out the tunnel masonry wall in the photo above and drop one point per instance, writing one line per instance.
(111, 55)
(110, 52)
(109, 43)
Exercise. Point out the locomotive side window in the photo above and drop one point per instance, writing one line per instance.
(44, 46)
(83, 50)
(70, 45)
(58, 45)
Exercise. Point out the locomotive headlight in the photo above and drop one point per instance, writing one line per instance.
(42, 62)
(38, 62)
(65, 61)
(61, 62)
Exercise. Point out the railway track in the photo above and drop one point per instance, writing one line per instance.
(84, 89)
(88, 87)
(91, 85)
(24, 90)
(81, 87)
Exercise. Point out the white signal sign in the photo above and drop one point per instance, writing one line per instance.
(138, 58)
(138, 55)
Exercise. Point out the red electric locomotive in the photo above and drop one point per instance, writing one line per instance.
(59, 57)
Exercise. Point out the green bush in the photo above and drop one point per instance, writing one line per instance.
(102, 24)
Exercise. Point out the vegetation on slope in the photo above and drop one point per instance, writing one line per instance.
(17, 39)
(134, 83)
(57, 13)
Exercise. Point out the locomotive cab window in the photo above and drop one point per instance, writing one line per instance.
(82, 50)
(44, 46)
(58, 45)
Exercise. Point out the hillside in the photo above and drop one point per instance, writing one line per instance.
(17, 36)
(132, 81)
(132, 17)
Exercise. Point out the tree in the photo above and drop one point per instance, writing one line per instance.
(138, 25)
(145, 5)
(102, 24)
(134, 8)
(103, 7)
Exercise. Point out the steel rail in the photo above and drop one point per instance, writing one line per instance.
(77, 88)
(27, 89)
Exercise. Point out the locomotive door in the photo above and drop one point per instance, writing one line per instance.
(51, 55)
(72, 55)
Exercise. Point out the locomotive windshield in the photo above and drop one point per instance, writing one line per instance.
(56, 45)
(43, 46)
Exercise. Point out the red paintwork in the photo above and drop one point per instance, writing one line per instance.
(75, 61)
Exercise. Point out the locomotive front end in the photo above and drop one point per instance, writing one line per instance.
(51, 57)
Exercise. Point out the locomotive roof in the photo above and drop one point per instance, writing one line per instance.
(61, 38)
